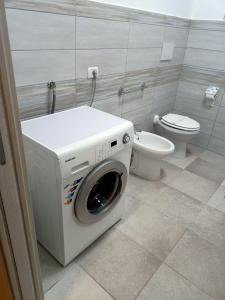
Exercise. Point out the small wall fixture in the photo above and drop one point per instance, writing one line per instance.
(141, 88)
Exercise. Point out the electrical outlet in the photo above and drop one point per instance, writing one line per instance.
(90, 71)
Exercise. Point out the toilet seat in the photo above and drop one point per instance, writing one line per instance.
(180, 122)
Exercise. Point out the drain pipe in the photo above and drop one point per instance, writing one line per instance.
(52, 89)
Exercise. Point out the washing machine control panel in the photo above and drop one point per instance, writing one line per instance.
(111, 147)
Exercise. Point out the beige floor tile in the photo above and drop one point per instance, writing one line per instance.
(181, 162)
(141, 189)
(166, 284)
(194, 186)
(210, 225)
(173, 203)
(154, 231)
(131, 205)
(51, 270)
(200, 262)
(214, 158)
(169, 172)
(208, 170)
(119, 264)
(218, 199)
(77, 285)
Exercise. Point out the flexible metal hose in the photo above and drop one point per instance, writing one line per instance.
(93, 90)
(52, 88)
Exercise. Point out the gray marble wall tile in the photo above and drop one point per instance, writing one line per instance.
(98, 33)
(146, 17)
(201, 140)
(35, 100)
(177, 22)
(140, 117)
(219, 131)
(94, 9)
(169, 90)
(176, 35)
(33, 67)
(223, 101)
(106, 88)
(167, 74)
(207, 25)
(221, 115)
(109, 61)
(139, 59)
(217, 145)
(205, 59)
(143, 35)
(110, 105)
(54, 6)
(30, 30)
(137, 99)
(202, 76)
(196, 108)
(207, 39)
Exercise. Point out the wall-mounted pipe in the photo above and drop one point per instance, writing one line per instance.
(52, 89)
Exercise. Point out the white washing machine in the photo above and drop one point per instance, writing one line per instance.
(78, 162)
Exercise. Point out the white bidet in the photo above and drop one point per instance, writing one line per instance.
(148, 150)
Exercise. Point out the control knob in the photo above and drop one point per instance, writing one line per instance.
(126, 138)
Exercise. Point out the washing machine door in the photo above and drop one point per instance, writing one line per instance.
(100, 191)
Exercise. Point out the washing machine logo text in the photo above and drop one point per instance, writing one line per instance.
(69, 159)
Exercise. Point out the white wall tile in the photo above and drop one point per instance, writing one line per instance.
(32, 67)
(205, 59)
(207, 39)
(30, 30)
(98, 33)
(138, 59)
(143, 35)
(109, 61)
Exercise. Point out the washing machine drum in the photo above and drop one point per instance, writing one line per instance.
(100, 191)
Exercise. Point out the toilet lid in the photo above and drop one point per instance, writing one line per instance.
(180, 122)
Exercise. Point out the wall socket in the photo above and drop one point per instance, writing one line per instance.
(90, 71)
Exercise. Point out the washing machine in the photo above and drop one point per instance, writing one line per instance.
(78, 163)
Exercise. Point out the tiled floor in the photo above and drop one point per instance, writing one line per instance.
(169, 246)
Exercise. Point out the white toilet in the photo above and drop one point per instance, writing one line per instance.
(178, 129)
(148, 149)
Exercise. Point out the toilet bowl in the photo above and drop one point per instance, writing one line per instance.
(148, 149)
(178, 129)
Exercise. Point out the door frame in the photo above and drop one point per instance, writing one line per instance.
(17, 231)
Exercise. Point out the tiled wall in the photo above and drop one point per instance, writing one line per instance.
(204, 65)
(58, 40)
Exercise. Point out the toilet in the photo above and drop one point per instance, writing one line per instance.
(148, 150)
(178, 129)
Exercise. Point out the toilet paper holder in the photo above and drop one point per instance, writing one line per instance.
(211, 94)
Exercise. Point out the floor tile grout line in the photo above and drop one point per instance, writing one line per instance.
(91, 276)
(192, 283)
(205, 239)
(162, 262)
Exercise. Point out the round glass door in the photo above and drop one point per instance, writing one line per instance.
(100, 191)
(103, 192)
